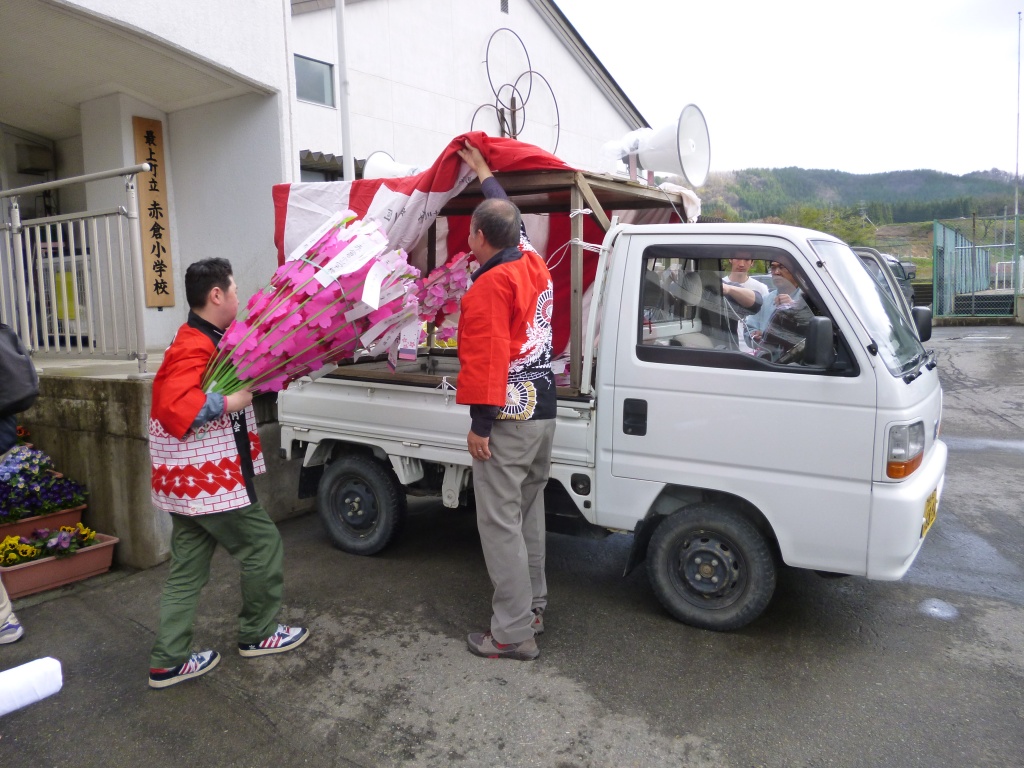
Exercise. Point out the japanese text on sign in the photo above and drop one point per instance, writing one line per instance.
(158, 275)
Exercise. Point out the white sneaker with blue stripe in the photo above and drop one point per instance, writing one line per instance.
(284, 639)
(11, 631)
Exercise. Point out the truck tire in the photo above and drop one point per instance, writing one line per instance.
(711, 568)
(361, 503)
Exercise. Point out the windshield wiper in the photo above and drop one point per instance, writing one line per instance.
(915, 364)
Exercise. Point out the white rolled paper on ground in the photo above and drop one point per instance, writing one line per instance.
(29, 683)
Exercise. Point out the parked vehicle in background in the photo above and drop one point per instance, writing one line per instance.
(895, 269)
(902, 277)
(910, 268)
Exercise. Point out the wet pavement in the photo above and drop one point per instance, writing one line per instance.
(928, 671)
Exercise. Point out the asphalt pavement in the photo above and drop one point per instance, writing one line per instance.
(927, 671)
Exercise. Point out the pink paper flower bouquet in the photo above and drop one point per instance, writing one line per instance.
(341, 291)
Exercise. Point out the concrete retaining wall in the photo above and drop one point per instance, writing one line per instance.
(96, 432)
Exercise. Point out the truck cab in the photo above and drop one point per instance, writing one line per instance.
(823, 454)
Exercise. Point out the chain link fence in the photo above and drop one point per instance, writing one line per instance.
(977, 271)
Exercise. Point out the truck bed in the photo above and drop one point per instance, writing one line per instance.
(410, 412)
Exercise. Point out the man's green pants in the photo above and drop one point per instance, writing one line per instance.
(251, 537)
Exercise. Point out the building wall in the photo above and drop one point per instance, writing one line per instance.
(107, 143)
(71, 162)
(227, 156)
(240, 35)
(417, 75)
(221, 158)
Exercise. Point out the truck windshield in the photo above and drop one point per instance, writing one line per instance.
(898, 345)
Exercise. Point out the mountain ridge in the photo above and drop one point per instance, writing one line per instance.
(886, 197)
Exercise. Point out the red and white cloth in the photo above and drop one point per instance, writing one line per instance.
(202, 474)
(407, 206)
(195, 472)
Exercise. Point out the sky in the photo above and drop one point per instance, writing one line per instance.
(862, 87)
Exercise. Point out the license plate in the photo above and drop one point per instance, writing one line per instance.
(930, 508)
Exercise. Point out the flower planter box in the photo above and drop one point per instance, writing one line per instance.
(50, 572)
(52, 520)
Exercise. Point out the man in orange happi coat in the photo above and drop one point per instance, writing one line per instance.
(505, 378)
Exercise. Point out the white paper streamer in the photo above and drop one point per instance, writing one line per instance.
(372, 283)
(362, 310)
(29, 683)
(354, 256)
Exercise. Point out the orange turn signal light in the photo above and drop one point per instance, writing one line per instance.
(897, 470)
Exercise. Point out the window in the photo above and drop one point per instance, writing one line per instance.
(892, 331)
(314, 81)
(727, 307)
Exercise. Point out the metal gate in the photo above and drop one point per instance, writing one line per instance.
(71, 285)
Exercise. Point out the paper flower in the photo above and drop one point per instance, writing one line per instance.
(441, 292)
(344, 294)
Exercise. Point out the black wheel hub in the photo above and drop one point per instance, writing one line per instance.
(356, 505)
(709, 567)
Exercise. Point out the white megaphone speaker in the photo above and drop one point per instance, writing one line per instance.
(682, 148)
(381, 165)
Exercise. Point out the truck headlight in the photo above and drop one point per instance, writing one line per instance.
(906, 450)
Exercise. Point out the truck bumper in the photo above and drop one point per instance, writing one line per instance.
(898, 516)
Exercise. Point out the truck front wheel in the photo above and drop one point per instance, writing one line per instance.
(711, 568)
(361, 503)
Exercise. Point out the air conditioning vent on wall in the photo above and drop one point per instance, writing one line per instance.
(33, 158)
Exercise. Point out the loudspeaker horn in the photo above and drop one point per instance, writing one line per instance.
(381, 165)
(682, 148)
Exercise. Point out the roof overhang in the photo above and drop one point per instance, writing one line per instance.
(54, 57)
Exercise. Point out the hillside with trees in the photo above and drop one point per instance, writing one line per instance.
(884, 198)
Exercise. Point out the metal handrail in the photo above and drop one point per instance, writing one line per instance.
(131, 211)
(129, 170)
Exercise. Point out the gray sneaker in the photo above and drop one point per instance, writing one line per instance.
(537, 625)
(482, 644)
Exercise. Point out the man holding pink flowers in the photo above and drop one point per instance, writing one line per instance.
(205, 452)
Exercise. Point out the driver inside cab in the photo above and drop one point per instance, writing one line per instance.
(781, 323)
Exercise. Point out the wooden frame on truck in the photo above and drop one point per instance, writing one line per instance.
(562, 192)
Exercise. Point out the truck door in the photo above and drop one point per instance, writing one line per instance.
(712, 395)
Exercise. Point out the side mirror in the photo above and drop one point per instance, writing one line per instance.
(923, 321)
(818, 350)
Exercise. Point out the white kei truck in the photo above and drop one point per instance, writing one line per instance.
(822, 453)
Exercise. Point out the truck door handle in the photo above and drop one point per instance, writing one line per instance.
(634, 417)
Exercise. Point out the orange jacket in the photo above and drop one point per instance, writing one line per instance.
(505, 337)
(177, 394)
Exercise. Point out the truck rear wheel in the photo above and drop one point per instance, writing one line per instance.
(711, 568)
(361, 503)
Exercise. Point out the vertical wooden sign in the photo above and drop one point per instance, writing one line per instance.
(156, 234)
